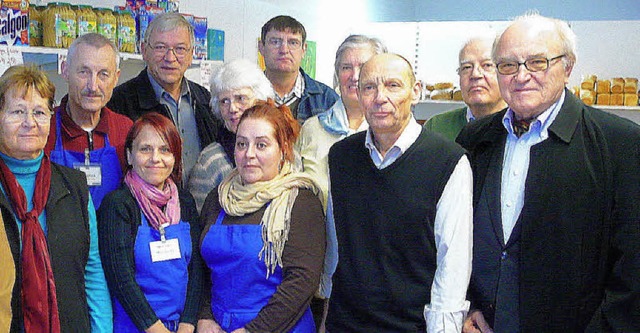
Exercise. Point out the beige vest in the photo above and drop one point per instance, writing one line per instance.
(7, 279)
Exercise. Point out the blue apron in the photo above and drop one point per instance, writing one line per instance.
(240, 287)
(107, 157)
(164, 283)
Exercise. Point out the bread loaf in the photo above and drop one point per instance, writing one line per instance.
(457, 95)
(589, 82)
(603, 87)
(588, 97)
(603, 99)
(441, 94)
(630, 85)
(617, 85)
(617, 99)
(631, 99)
(443, 85)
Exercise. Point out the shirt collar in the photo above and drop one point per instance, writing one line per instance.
(72, 129)
(409, 135)
(161, 93)
(540, 125)
(470, 116)
(297, 91)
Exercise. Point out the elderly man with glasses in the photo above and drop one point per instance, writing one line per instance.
(556, 187)
(167, 49)
(479, 87)
(283, 45)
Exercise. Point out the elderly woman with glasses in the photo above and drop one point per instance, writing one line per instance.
(235, 87)
(49, 218)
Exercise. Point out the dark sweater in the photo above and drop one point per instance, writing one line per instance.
(302, 261)
(384, 224)
(118, 221)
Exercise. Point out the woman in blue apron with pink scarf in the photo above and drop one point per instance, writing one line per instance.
(148, 236)
(264, 236)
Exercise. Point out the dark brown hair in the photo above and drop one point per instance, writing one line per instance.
(283, 23)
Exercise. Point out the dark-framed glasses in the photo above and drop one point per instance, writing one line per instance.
(41, 117)
(180, 51)
(537, 64)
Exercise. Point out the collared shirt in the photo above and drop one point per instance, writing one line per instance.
(184, 118)
(294, 94)
(515, 165)
(470, 116)
(406, 139)
(453, 231)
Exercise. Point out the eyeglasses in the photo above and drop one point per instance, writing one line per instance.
(276, 43)
(18, 116)
(160, 50)
(466, 69)
(532, 65)
(242, 101)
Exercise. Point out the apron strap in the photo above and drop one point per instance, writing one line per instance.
(221, 216)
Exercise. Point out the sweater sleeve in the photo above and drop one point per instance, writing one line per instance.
(116, 216)
(302, 261)
(98, 298)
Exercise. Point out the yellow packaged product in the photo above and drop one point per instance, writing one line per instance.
(126, 31)
(107, 24)
(87, 20)
(35, 25)
(59, 25)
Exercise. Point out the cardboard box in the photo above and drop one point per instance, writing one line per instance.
(14, 22)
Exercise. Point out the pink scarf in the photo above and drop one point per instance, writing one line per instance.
(151, 200)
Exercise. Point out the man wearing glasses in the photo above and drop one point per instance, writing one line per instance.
(479, 87)
(167, 50)
(283, 45)
(556, 187)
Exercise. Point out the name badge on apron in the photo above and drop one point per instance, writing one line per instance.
(165, 250)
(93, 172)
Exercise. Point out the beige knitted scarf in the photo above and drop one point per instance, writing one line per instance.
(238, 199)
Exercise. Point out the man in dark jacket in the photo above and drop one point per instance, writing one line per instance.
(283, 45)
(556, 187)
(161, 87)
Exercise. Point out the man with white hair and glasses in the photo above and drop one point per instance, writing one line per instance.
(556, 187)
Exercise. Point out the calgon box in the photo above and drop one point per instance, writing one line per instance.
(14, 22)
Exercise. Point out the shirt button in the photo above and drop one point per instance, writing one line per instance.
(516, 172)
(508, 204)
(503, 256)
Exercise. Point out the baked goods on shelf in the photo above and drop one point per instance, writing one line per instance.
(589, 82)
(630, 99)
(442, 94)
(588, 97)
(603, 99)
(630, 85)
(617, 85)
(603, 86)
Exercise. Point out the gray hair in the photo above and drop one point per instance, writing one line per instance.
(167, 22)
(238, 74)
(486, 39)
(354, 42)
(561, 28)
(93, 39)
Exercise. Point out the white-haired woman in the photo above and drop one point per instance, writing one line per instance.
(235, 87)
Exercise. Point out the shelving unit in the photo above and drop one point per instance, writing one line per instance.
(428, 108)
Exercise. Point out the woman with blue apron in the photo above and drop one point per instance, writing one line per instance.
(264, 237)
(101, 165)
(146, 228)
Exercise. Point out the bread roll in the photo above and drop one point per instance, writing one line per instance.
(603, 87)
(630, 99)
(617, 85)
(603, 99)
(588, 97)
(441, 94)
(429, 87)
(457, 95)
(617, 99)
(443, 85)
(630, 85)
(589, 82)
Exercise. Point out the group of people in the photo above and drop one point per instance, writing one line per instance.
(274, 204)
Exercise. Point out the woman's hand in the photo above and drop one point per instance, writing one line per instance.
(157, 327)
(209, 326)
(185, 328)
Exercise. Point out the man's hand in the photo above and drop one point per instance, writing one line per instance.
(475, 323)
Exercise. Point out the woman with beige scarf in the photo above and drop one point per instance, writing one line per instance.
(264, 234)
